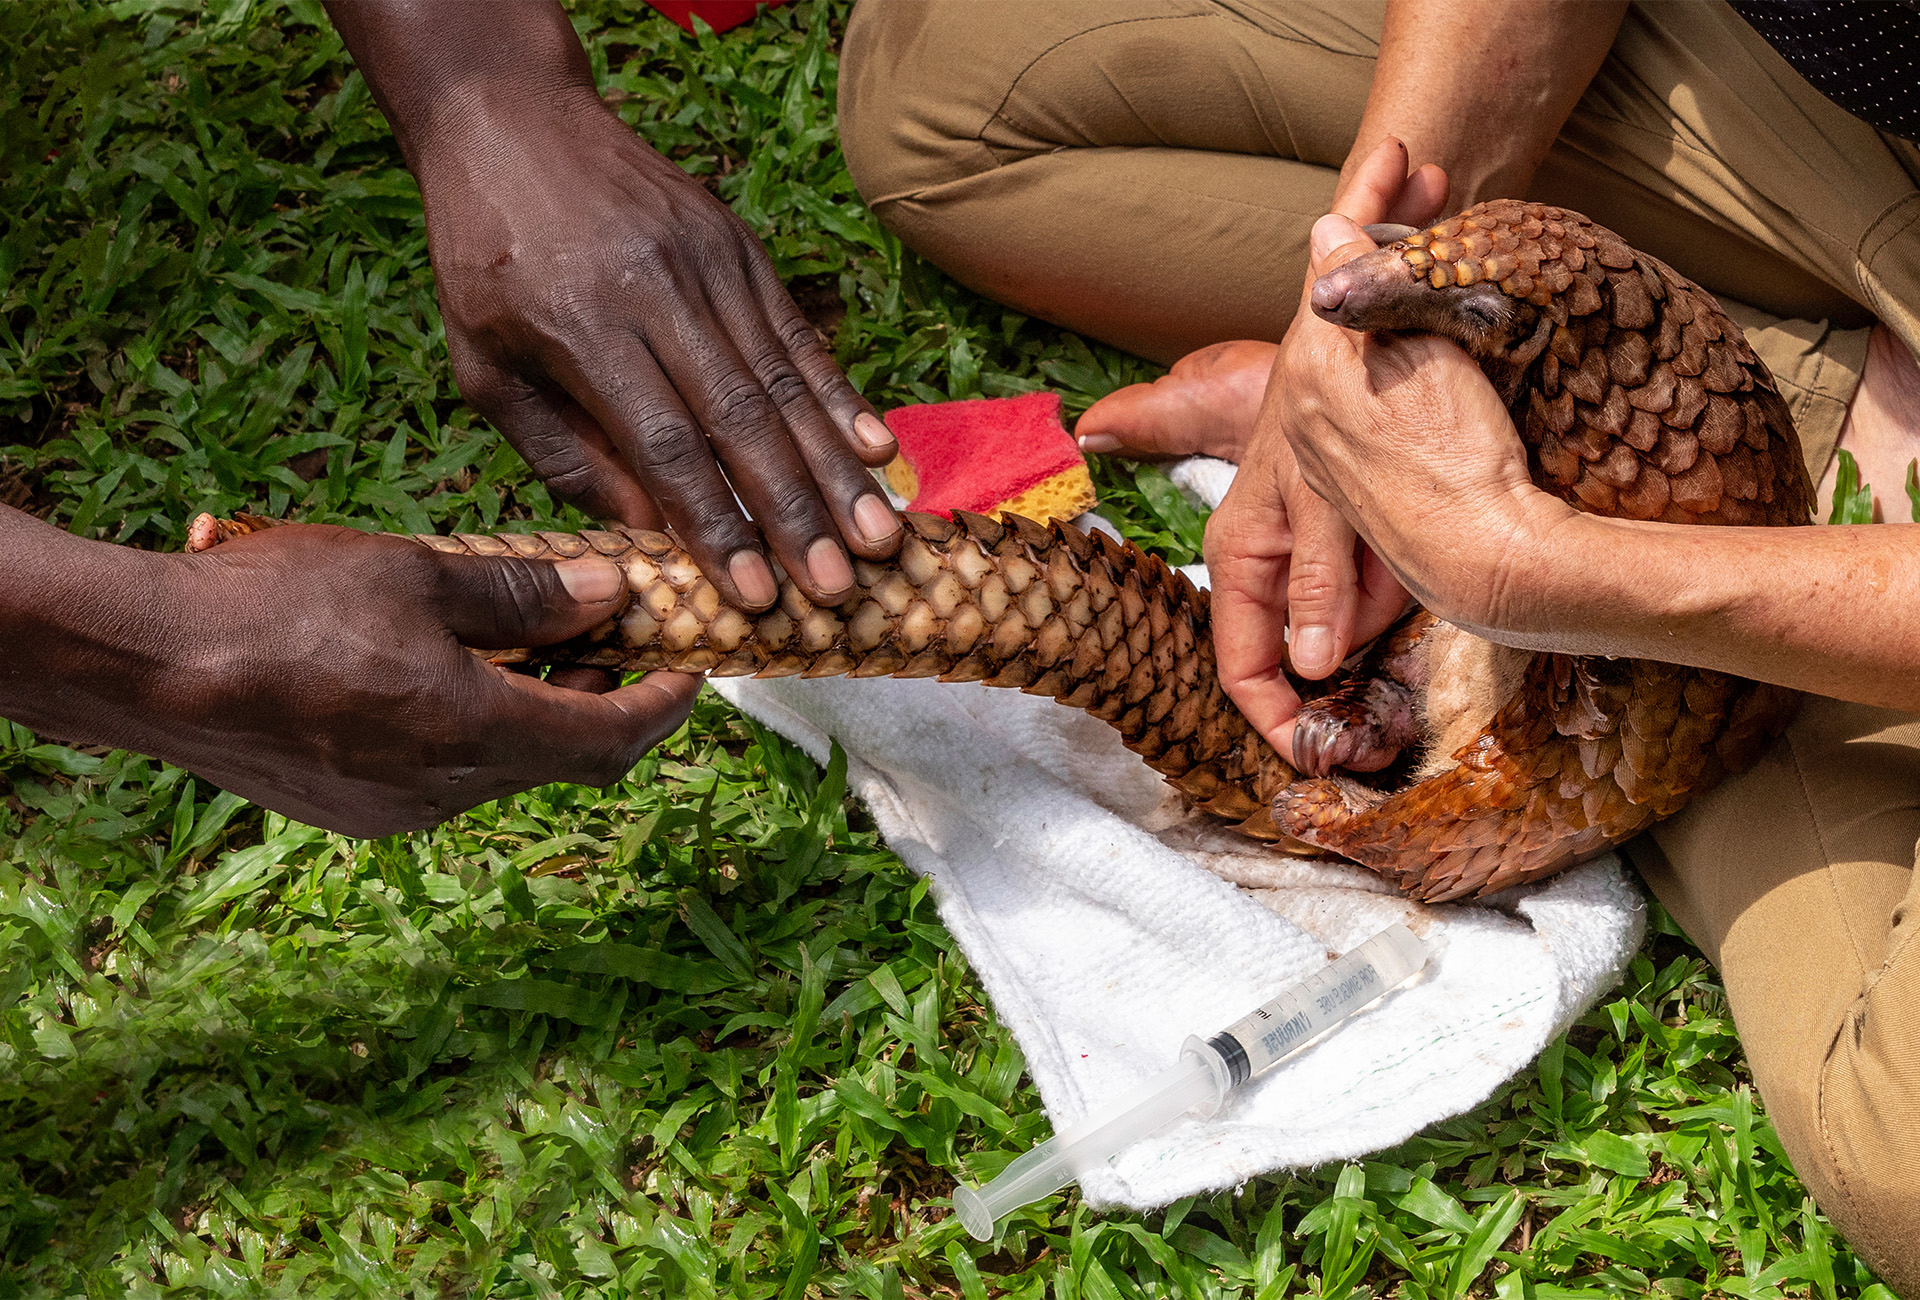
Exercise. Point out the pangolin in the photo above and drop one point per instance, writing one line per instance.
(1636, 397)
(1468, 768)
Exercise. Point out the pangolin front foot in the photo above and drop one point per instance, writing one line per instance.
(1363, 726)
(1368, 721)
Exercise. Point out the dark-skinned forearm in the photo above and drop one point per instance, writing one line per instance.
(446, 66)
(81, 626)
(1482, 87)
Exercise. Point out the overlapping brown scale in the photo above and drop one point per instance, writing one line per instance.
(1631, 340)
(1587, 754)
(1088, 621)
(1644, 402)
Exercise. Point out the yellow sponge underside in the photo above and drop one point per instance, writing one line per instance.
(1066, 495)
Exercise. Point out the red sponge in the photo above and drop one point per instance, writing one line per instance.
(721, 15)
(995, 455)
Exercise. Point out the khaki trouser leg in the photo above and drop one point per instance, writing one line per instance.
(1146, 171)
(1143, 171)
(1797, 880)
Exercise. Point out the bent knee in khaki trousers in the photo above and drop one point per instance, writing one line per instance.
(1146, 172)
(1797, 880)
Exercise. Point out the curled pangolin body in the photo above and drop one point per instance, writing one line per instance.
(1635, 396)
(1638, 398)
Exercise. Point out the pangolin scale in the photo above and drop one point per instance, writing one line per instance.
(1636, 397)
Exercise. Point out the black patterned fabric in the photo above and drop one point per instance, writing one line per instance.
(1864, 55)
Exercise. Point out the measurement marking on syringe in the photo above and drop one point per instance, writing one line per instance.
(1274, 1030)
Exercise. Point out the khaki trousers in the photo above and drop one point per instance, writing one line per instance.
(1146, 171)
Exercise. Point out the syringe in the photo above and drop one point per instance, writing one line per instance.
(1209, 1069)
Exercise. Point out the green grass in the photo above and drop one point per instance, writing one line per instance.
(699, 1034)
(1853, 500)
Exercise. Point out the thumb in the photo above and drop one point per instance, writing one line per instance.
(1335, 241)
(498, 602)
(595, 739)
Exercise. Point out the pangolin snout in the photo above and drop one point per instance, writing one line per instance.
(1353, 295)
(1330, 294)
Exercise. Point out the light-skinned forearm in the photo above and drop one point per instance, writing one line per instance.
(1829, 610)
(1482, 87)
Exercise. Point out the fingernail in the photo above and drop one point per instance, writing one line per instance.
(1312, 648)
(1099, 443)
(875, 519)
(828, 565)
(872, 430)
(590, 580)
(750, 574)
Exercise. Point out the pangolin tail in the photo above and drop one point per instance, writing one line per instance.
(1089, 621)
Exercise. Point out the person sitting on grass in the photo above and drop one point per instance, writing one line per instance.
(1153, 172)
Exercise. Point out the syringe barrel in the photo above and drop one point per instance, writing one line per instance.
(1283, 1026)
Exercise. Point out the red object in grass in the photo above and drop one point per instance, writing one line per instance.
(996, 454)
(721, 15)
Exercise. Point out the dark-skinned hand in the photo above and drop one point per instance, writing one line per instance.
(321, 672)
(627, 332)
(619, 324)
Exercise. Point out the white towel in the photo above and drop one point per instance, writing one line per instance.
(1106, 925)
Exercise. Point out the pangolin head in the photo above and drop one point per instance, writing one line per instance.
(1481, 278)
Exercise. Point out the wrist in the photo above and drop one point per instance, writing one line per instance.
(453, 76)
(1555, 572)
(1523, 577)
(491, 138)
(85, 630)
(1578, 583)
